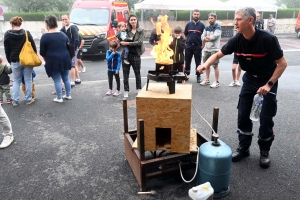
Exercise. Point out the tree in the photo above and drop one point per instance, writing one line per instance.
(289, 3)
(37, 5)
(131, 3)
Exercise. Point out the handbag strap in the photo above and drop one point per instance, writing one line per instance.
(26, 36)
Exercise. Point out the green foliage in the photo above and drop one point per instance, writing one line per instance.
(131, 3)
(289, 3)
(37, 5)
(181, 14)
(37, 16)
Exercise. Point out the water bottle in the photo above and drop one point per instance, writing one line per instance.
(256, 107)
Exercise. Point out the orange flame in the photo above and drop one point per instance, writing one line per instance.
(162, 51)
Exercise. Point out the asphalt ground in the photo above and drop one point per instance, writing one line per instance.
(75, 150)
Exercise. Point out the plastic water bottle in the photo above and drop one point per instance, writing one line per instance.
(256, 107)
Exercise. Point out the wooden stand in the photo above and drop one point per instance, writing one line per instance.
(145, 168)
(167, 117)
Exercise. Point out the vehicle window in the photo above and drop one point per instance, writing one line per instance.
(82, 16)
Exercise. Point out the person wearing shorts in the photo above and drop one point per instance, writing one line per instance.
(235, 74)
(79, 55)
(211, 43)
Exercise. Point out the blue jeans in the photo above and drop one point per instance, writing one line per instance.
(57, 76)
(17, 72)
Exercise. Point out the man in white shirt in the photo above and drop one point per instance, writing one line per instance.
(271, 24)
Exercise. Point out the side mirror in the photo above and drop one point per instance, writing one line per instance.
(114, 23)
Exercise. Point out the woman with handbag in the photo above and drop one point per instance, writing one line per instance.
(54, 50)
(14, 41)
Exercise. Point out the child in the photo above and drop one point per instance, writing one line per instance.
(177, 46)
(33, 84)
(4, 82)
(122, 36)
(113, 59)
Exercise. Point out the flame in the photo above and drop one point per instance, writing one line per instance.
(162, 51)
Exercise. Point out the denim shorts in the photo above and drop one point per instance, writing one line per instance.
(74, 59)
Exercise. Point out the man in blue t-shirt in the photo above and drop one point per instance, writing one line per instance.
(193, 31)
(261, 57)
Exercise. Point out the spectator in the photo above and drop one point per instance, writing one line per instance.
(122, 36)
(33, 84)
(4, 82)
(259, 23)
(113, 59)
(264, 63)
(53, 48)
(271, 24)
(154, 37)
(236, 72)
(177, 45)
(136, 49)
(72, 32)
(211, 38)
(14, 40)
(79, 55)
(7, 130)
(193, 31)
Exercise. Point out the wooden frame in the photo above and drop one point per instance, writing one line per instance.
(141, 165)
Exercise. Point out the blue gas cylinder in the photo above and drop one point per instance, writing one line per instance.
(215, 166)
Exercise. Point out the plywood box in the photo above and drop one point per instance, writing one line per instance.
(167, 117)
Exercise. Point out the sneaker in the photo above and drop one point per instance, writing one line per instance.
(8, 101)
(198, 79)
(126, 62)
(67, 97)
(138, 90)
(116, 93)
(31, 101)
(108, 92)
(126, 94)
(6, 141)
(73, 85)
(215, 84)
(234, 83)
(58, 100)
(237, 83)
(205, 82)
(77, 81)
(83, 69)
(14, 104)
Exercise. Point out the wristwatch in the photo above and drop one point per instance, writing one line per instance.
(270, 83)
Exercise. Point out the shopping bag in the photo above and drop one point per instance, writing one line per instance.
(27, 56)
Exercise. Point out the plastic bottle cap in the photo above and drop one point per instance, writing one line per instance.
(195, 189)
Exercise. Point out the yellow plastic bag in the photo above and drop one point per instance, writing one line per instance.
(27, 56)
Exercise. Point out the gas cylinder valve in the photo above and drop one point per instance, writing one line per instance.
(215, 138)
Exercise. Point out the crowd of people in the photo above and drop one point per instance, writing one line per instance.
(263, 65)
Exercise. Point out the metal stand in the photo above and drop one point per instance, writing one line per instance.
(145, 168)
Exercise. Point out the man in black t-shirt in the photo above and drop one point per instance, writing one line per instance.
(193, 31)
(260, 55)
